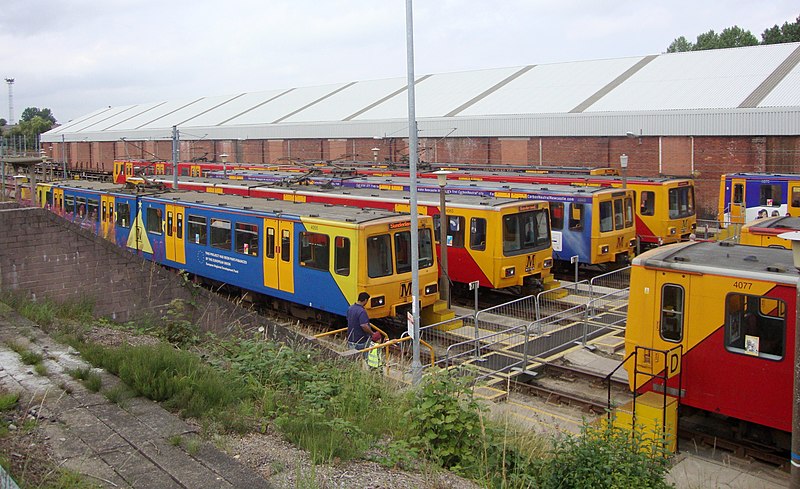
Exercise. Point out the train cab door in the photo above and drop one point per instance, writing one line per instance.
(278, 270)
(671, 312)
(174, 234)
(58, 200)
(793, 206)
(738, 205)
(107, 217)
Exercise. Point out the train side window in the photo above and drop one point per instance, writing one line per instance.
(269, 247)
(755, 325)
(179, 227)
(402, 251)
(628, 212)
(286, 245)
(647, 203)
(606, 217)
(221, 234)
(379, 256)
(455, 231)
(154, 220)
(576, 217)
(425, 245)
(314, 250)
(477, 233)
(619, 221)
(197, 230)
(246, 239)
(80, 207)
(672, 304)
(93, 206)
(123, 213)
(770, 195)
(105, 212)
(557, 216)
(69, 204)
(169, 223)
(341, 255)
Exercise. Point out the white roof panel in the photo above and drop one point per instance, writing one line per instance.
(154, 117)
(112, 116)
(284, 105)
(786, 93)
(348, 101)
(231, 106)
(551, 88)
(437, 95)
(719, 78)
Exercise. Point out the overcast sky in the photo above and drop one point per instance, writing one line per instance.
(76, 56)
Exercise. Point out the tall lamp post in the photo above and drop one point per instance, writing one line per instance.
(224, 157)
(794, 237)
(623, 163)
(444, 224)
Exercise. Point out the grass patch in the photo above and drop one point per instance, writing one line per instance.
(40, 369)
(45, 311)
(30, 358)
(175, 440)
(8, 401)
(119, 394)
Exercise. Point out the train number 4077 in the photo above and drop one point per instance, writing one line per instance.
(742, 285)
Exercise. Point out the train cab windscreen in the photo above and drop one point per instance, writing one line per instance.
(525, 232)
(681, 202)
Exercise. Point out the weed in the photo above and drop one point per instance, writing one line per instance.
(175, 440)
(93, 382)
(8, 401)
(40, 369)
(119, 394)
(79, 373)
(192, 446)
(29, 357)
(176, 328)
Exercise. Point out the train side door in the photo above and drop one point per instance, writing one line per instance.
(174, 234)
(738, 205)
(671, 317)
(793, 204)
(107, 217)
(278, 270)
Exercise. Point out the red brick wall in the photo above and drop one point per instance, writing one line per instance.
(335, 149)
(275, 151)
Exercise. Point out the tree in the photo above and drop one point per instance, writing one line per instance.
(785, 33)
(3, 122)
(707, 40)
(736, 37)
(31, 112)
(31, 129)
(680, 45)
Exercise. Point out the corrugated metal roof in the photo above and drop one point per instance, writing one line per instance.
(439, 94)
(713, 79)
(747, 91)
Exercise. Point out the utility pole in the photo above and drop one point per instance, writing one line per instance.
(175, 155)
(10, 82)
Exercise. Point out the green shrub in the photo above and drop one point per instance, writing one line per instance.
(605, 457)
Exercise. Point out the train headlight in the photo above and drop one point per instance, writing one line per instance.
(377, 301)
(672, 230)
(633, 243)
(509, 272)
(547, 263)
(693, 226)
(604, 249)
(431, 289)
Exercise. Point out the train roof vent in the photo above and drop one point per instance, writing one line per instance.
(248, 207)
(329, 205)
(726, 243)
(349, 219)
(750, 258)
(374, 195)
(313, 215)
(682, 258)
(223, 204)
(776, 268)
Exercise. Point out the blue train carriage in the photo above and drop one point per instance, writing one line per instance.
(104, 208)
(743, 195)
(315, 256)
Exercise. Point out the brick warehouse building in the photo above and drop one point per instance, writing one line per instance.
(699, 113)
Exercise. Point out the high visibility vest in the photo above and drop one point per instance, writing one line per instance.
(375, 358)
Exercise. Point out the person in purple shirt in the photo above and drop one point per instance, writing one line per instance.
(359, 330)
